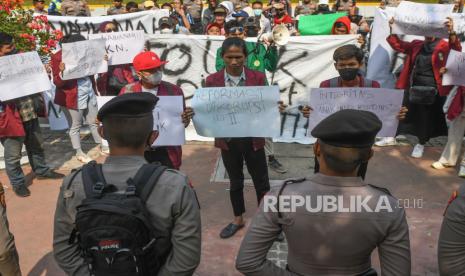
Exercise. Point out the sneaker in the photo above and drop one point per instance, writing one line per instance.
(439, 166)
(462, 171)
(274, 164)
(104, 150)
(83, 158)
(418, 151)
(21, 191)
(386, 141)
(51, 174)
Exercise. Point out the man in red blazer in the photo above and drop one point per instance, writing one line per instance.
(148, 67)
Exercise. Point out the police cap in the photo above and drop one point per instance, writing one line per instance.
(130, 105)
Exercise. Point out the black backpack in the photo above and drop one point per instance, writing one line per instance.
(113, 228)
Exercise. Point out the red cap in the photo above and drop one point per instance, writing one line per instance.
(146, 61)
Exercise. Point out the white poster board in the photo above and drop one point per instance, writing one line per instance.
(422, 19)
(84, 58)
(22, 75)
(121, 47)
(56, 117)
(243, 111)
(166, 119)
(455, 74)
(385, 103)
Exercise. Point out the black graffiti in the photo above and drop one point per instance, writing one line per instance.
(281, 65)
(205, 56)
(70, 27)
(180, 82)
(297, 116)
(185, 51)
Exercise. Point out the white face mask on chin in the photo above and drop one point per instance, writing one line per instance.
(166, 31)
(154, 79)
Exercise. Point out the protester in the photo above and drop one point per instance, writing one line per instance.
(271, 8)
(183, 17)
(111, 82)
(209, 13)
(220, 18)
(167, 6)
(20, 126)
(55, 7)
(454, 109)
(229, 8)
(9, 260)
(349, 6)
(132, 7)
(213, 29)
(78, 96)
(240, 16)
(75, 8)
(308, 7)
(282, 17)
(149, 69)
(235, 151)
(117, 8)
(451, 250)
(150, 5)
(39, 7)
(341, 26)
(348, 62)
(194, 9)
(168, 210)
(265, 24)
(421, 79)
(331, 243)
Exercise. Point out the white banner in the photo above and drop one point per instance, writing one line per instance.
(56, 117)
(455, 74)
(22, 75)
(121, 47)
(385, 103)
(303, 63)
(422, 19)
(84, 58)
(243, 111)
(146, 21)
(166, 119)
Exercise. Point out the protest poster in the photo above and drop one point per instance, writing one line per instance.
(455, 65)
(121, 47)
(192, 59)
(321, 24)
(22, 75)
(84, 58)
(385, 103)
(146, 21)
(243, 111)
(422, 19)
(166, 119)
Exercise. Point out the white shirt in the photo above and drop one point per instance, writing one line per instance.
(154, 91)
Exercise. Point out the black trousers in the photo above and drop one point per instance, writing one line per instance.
(160, 155)
(240, 150)
(362, 170)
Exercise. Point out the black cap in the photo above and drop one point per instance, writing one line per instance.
(130, 105)
(349, 129)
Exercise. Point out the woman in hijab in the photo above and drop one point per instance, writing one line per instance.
(229, 6)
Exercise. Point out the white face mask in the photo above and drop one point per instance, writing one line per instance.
(154, 78)
(166, 31)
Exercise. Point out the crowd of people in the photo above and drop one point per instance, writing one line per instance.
(99, 205)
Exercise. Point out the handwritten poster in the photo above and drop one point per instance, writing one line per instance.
(166, 119)
(84, 58)
(22, 75)
(422, 19)
(455, 74)
(243, 111)
(121, 47)
(56, 116)
(385, 103)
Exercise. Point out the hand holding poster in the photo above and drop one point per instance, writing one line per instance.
(121, 47)
(22, 75)
(385, 103)
(422, 19)
(84, 58)
(455, 69)
(166, 119)
(243, 111)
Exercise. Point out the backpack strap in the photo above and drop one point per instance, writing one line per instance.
(334, 82)
(145, 180)
(289, 181)
(93, 180)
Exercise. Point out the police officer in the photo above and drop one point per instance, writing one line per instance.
(451, 247)
(9, 262)
(332, 232)
(173, 208)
